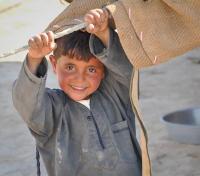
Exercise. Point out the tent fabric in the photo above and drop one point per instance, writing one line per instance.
(151, 32)
(74, 13)
(156, 30)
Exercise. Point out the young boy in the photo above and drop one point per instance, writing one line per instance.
(87, 127)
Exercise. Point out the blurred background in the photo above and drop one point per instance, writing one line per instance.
(163, 89)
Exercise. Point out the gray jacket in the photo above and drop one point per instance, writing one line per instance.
(76, 141)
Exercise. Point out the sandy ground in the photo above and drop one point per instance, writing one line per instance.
(164, 88)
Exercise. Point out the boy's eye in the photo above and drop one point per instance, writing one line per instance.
(92, 69)
(70, 67)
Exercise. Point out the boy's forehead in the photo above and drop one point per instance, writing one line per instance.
(92, 60)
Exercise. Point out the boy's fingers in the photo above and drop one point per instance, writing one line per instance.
(38, 41)
(96, 16)
(44, 38)
(53, 46)
(105, 13)
(89, 18)
(100, 15)
(104, 16)
(96, 13)
(90, 28)
(32, 44)
(51, 36)
(97, 20)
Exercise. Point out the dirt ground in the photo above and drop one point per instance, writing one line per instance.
(165, 88)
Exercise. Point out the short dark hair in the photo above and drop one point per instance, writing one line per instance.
(75, 45)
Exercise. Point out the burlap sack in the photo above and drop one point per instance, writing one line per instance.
(151, 32)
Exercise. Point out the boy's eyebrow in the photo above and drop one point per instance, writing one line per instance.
(97, 66)
(69, 63)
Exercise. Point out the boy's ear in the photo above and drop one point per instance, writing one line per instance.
(53, 61)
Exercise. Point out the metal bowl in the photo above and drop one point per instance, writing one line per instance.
(184, 125)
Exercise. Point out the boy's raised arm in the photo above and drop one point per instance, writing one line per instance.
(106, 45)
(30, 98)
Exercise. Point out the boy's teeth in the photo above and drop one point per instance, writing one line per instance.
(78, 88)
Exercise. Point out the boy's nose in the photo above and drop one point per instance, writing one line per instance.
(80, 77)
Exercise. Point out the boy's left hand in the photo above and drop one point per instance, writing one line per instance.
(97, 20)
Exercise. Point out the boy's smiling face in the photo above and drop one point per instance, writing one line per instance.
(78, 78)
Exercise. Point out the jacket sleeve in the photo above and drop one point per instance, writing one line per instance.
(33, 101)
(113, 57)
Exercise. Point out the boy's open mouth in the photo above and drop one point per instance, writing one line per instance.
(78, 88)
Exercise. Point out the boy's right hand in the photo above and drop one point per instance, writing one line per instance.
(39, 46)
